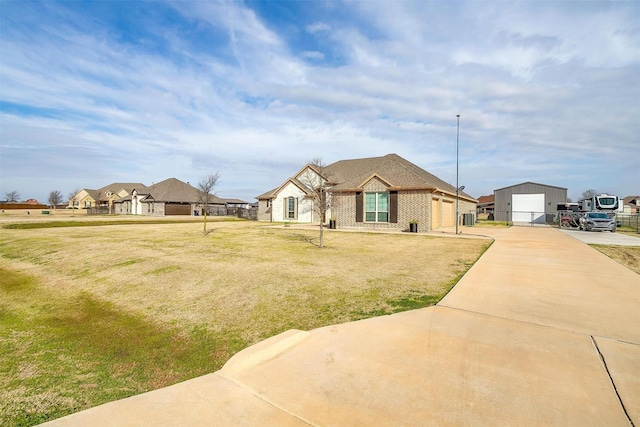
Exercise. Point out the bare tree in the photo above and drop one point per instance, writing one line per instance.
(206, 187)
(55, 198)
(12, 196)
(587, 194)
(97, 201)
(319, 192)
(72, 198)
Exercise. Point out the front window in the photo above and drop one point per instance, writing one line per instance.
(290, 208)
(377, 207)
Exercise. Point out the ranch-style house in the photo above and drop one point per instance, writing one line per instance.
(387, 192)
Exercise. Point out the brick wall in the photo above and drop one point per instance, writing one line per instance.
(412, 205)
(343, 209)
(264, 211)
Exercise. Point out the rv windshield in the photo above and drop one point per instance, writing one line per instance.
(606, 201)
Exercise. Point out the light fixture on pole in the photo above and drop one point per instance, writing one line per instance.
(457, 184)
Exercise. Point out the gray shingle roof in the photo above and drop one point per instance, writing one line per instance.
(128, 186)
(399, 173)
(176, 191)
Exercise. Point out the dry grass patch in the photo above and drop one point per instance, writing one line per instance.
(93, 314)
(629, 256)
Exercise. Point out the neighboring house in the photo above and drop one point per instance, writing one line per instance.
(85, 198)
(385, 192)
(291, 201)
(168, 197)
(103, 197)
(486, 204)
(109, 194)
(631, 205)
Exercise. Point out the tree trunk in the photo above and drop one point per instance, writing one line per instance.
(321, 234)
(204, 214)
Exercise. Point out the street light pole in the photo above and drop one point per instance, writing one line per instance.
(457, 183)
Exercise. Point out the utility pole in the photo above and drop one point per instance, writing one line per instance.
(457, 168)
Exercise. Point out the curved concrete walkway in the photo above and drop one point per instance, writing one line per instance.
(543, 330)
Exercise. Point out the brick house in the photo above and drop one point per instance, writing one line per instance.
(168, 197)
(103, 197)
(486, 204)
(385, 192)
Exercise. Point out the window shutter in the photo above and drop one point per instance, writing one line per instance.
(393, 207)
(359, 206)
(295, 209)
(285, 208)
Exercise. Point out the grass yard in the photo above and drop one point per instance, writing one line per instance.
(97, 313)
(629, 256)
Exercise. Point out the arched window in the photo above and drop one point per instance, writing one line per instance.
(290, 208)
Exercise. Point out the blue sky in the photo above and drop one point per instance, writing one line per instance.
(131, 91)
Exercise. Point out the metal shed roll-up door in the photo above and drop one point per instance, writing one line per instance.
(528, 207)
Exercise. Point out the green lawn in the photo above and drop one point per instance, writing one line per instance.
(92, 314)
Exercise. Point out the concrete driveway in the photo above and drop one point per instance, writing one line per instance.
(603, 237)
(530, 336)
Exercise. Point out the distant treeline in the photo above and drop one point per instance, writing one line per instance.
(8, 206)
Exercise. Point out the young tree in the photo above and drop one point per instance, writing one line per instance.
(55, 198)
(319, 192)
(12, 196)
(73, 200)
(206, 187)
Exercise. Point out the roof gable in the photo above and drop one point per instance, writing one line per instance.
(295, 182)
(378, 177)
(529, 183)
(118, 186)
(306, 169)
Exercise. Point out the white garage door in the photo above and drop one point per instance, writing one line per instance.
(527, 207)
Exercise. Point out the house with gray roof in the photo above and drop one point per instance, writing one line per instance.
(387, 192)
(631, 205)
(103, 197)
(168, 197)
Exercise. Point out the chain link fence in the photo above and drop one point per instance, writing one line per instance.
(562, 219)
(526, 218)
(629, 221)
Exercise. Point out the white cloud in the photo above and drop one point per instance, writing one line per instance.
(312, 55)
(318, 27)
(542, 90)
